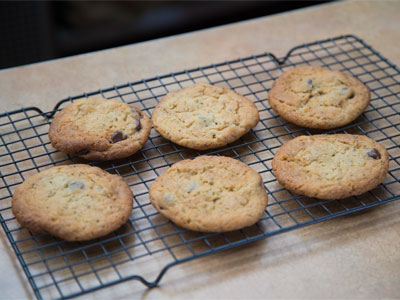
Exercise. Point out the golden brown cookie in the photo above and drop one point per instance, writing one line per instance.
(317, 97)
(331, 166)
(210, 194)
(204, 116)
(74, 202)
(99, 129)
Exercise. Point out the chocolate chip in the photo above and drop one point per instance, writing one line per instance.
(82, 152)
(138, 125)
(374, 154)
(118, 136)
(76, 185)
(347, 91)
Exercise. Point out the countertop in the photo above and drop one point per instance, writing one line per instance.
(356, 256)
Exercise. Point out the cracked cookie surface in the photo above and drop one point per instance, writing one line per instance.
(317, 97)
(99, 129)
(204, 116)
(330, 166)
(74, 202)
(210, 194)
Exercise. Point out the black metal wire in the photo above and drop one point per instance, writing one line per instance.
(58, 269)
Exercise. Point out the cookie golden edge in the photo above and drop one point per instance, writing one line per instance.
(98, 149)
(249, 110)
(310, 190)
(38, 225)
(216, 225)
(277, 89)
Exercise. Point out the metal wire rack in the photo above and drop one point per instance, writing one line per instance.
(58, 269)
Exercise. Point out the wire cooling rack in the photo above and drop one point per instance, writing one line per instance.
(59, 269)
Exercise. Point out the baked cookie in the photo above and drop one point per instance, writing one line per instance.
(99, 129)
(317, 97)
(210, 194)
(74, 202)
(204, 116)
(330, 166)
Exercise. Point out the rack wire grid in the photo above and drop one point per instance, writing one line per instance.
(60, 269)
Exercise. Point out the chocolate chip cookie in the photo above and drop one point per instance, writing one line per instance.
(99, 129)
(204, 116)
(74, 202)
(317, 97)
(330, 166)
(210, 194)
